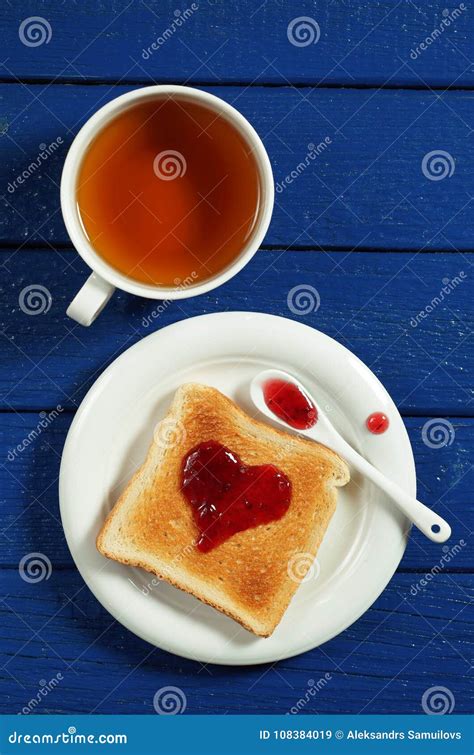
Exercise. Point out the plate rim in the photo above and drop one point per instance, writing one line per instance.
(129, 622)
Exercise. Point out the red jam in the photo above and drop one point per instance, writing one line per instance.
(227, 497)
(377, 423)
(290, 404)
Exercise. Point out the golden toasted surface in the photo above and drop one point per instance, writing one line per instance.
(253, 575)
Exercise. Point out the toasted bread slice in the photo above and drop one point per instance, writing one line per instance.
(253, 575)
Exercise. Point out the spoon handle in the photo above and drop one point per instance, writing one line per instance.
(421, 516)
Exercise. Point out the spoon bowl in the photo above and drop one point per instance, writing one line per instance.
(322, 431)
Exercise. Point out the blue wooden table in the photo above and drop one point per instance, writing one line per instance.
(380, 223)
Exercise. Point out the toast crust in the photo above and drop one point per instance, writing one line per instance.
(253, 575)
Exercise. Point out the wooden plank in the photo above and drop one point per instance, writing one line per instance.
(31, 447)
(365, 189)
(369, 302)
(382, 664)
(374, 42)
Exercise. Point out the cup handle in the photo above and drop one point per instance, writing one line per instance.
(90, 300)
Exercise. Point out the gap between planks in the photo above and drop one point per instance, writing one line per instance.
(32, 246)
(400, 570)
(71, 410)
(86, 81)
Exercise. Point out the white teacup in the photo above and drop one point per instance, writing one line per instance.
(99, 287)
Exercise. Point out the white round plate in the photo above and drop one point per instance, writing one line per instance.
(114, 426)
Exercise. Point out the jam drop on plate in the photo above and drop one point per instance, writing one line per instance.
(377, 423)
(289, 403)
(227, 497)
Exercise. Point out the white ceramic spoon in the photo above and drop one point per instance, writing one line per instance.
(432, 525)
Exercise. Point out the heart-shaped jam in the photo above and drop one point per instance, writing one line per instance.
(227, 496)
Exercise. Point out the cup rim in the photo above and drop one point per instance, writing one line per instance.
(73, 161)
